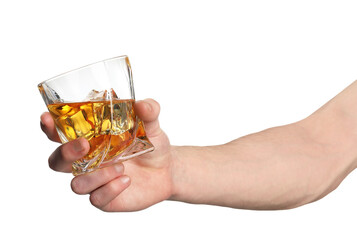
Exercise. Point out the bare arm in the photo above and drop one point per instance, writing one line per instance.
(279, 168)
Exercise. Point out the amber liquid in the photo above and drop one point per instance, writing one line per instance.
(109, 126)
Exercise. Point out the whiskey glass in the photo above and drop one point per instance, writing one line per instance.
(97, 102)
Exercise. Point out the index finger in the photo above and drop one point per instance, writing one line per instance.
(48, 127)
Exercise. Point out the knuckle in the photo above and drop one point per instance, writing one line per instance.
(95, 200)
(106, 173)
(77, 186)
(52, 161)
(49, 136)
(65, 154)
(108, 208)
(62, 152)
(113, 187)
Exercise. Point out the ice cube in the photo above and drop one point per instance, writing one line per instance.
(113, 93)
(95, 95)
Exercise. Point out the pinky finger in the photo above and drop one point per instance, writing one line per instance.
(105, 194)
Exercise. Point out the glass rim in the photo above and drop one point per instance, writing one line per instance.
(79, 68)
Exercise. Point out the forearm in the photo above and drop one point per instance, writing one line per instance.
(278, 168)
(253, 172)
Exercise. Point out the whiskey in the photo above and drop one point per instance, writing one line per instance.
(110, 126)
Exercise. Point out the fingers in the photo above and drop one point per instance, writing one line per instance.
(148, 110)
(101, 197)
(103, 185)
(62, 158)
(86, 183)
(48, 127)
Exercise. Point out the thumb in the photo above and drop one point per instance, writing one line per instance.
(148, 111)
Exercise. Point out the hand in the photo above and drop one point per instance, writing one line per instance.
(147, 179)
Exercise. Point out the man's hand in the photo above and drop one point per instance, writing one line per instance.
(129, 186)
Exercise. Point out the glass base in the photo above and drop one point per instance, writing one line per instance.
(137, 148)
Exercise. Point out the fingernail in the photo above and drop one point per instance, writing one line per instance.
(77, 146)
(119, 168)
(124, 179)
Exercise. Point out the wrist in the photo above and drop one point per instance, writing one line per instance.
(192, 171)
(175, 166)
(179, 172)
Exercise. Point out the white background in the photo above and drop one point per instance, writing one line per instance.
(220, 70)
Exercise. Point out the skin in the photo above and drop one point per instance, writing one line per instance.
(278, 168)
